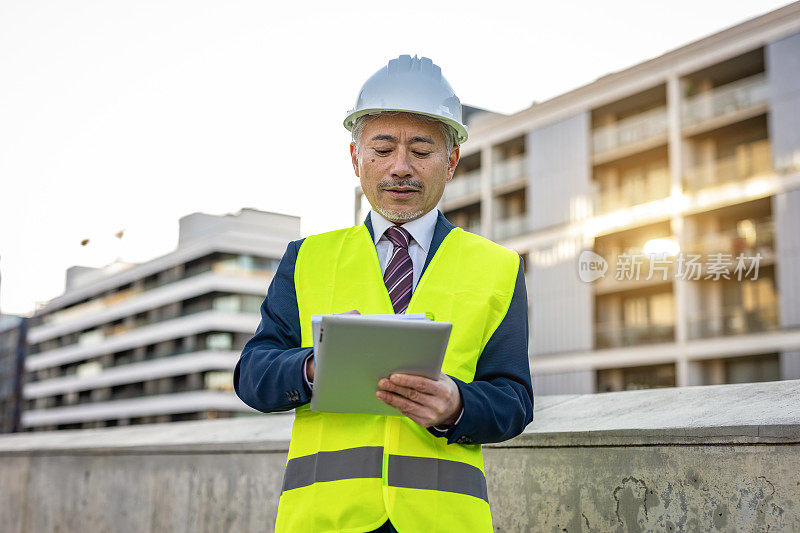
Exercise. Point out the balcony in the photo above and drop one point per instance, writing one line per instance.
(511, 170)
(655, 187)
(750, 161)
(634, 269)
(647, 128)
(162, 331)
(616, 336)
(239, 266)
(181, 362)
(734, 320)
(752, 237)
(463, 186)
(510, 227)
(733, 101)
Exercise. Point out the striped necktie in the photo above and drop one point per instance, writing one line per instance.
(399, 272)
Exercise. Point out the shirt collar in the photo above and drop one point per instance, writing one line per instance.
(421, 229)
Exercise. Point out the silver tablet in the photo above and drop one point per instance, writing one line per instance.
(353, 352)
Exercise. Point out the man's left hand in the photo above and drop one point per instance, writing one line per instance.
(428, 402)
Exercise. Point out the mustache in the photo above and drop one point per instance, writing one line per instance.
(388, 184)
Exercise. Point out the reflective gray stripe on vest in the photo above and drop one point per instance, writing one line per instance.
(363, 462)
(436, 474)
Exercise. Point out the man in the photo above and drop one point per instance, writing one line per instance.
(421, 470)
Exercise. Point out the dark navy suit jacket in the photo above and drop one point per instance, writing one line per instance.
(498, 404)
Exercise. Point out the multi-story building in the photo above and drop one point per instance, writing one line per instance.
(156, 341)
(695, 152)
(12, 354)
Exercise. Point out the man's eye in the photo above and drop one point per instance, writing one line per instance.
(382, 151)
(422, 154)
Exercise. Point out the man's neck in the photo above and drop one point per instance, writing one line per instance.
(421, 229)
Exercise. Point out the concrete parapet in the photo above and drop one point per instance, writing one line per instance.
(722, 458)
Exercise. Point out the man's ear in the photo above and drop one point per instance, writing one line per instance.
(452, 162)
(354, 158)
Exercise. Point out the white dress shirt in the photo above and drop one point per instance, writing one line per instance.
(421, 231)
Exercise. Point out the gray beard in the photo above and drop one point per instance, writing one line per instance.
(394, 216)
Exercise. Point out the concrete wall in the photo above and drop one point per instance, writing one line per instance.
(560, 304)
(559, 172)
(783, 70)
(786, 213)
(558, 193)
(722, 458)
(577, 382)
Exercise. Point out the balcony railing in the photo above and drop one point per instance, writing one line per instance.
(463, 185)
(510, 227)
(631, 130)
(509, 170)
(734, 320)
(615, 336)
(730, 98)
(238, 303)
(761, 239)
(227, 267)
(656, 187)
(751, 160)
(633, 265)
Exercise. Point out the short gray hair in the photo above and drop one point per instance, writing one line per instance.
(449, 133)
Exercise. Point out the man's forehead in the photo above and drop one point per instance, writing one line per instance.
(405, 127)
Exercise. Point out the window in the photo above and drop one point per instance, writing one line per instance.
(219, 341)
(227, 304)
(220, 380)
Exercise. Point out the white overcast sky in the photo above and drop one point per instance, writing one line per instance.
(130, 114)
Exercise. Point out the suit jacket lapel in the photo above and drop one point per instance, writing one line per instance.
(443, 227)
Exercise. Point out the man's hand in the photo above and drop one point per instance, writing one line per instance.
(310, 366)
(428, 402)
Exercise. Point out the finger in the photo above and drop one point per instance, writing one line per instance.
(420, 383)
(404, 405)
(419, 421)
(427, 408)
(412, 394)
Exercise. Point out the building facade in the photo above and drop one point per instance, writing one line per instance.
(156, 341)
(695, 153)
(12, 354)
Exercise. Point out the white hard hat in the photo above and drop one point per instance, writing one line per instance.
(411, 84)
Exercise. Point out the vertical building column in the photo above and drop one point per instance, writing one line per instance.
(783, 72)
(675, 140)
(783, 75)
(786, 213)
(487, 198)
(675, 154)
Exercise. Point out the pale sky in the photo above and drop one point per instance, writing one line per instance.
(132, 114)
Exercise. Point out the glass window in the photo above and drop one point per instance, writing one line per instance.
(753, 369)
(220, 380)
(251, 303)
(246, 262)
(228, 303)
(219, 341)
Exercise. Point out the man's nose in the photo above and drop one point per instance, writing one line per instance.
(401, 167)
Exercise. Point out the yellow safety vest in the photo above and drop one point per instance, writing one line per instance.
(352, 472)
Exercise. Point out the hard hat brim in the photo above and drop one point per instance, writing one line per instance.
(461, 130)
